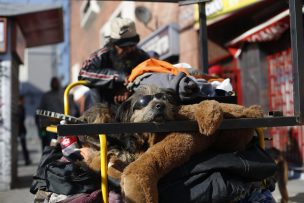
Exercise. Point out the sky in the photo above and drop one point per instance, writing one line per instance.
(63, 48)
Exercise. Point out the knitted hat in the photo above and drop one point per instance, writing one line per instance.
(123, 32)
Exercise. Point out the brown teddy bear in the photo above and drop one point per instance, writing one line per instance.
(148, 157)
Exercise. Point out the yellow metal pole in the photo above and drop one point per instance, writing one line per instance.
(104, 167)
(102, 139)
(66, 94)
(53, 129)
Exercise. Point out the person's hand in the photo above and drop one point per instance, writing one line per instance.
(121, 96)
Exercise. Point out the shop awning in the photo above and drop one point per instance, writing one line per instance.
(270, 30)
(225, 28)
(40, 24)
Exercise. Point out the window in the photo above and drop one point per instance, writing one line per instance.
(2, 35)
(88, 11)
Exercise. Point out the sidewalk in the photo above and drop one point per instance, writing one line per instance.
(295, 190)
(21, 191)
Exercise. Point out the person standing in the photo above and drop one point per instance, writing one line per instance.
(22, 130)
(107, 68)
(50, 101)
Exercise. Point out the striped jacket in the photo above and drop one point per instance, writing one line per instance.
(104, 68)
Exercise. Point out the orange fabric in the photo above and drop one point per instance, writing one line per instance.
(216, 79)
(154, 65)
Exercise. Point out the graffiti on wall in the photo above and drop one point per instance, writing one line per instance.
(5, 123)
(288, 139)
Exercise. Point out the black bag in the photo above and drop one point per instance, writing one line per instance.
(60, 177)
(212, 177)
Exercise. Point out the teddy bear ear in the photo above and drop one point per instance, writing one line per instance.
(209, 116)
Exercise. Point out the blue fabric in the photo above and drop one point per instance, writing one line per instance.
(259, 196)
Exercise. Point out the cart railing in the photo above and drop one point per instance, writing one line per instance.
(114, 128)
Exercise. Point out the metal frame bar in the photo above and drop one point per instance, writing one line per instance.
(203, 37)
(181, 126)
(297, 47)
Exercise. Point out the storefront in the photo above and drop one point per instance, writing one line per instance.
(165, 42)
(227, 19)
(264, 58)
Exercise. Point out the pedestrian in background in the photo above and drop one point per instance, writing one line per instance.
(22, 130)
(50, 101)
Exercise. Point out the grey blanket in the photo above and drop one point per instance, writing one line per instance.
(187, 87)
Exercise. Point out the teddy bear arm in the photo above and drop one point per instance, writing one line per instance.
(140, 178)
(238, 111)
(185, 112)
(95, 163)
(91, 158)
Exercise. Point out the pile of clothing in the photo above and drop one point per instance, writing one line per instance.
(239, 177)
(189, 88)
(243, 177)
(58, 179)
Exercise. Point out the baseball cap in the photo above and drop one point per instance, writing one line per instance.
(123, 32)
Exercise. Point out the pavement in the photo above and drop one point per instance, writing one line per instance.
(295, 189)
(20, 193)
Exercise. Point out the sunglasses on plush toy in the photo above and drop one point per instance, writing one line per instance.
(144, 100)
